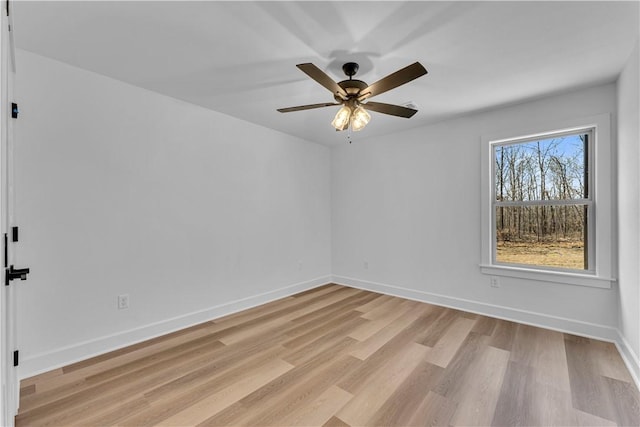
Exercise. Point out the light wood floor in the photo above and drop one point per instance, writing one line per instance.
(338, 356)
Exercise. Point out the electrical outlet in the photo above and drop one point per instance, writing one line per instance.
(123, 301)
(365, 265)
(494, 282)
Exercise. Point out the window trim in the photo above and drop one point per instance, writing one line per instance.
(599, 275)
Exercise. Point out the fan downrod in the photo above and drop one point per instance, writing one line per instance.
(350, 69)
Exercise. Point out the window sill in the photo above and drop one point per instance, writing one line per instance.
(561, 277)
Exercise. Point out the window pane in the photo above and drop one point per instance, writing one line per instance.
(548, 169)
(551, 236)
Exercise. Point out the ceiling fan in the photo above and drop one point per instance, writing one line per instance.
(353, 94)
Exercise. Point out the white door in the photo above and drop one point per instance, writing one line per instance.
(8, 238)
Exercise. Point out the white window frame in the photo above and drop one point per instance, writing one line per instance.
(600, 273)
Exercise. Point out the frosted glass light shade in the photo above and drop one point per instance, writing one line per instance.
(360, 119)
(342, 118)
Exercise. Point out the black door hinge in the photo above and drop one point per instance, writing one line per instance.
(16, 358)
(14, 234)
(14, 110)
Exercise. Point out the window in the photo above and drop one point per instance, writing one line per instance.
(546, 214)
(542, 205)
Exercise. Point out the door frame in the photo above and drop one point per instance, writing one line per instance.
(9, 399)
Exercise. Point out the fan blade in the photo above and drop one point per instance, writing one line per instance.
(321, 77)
(392, 81)
(394, 110)
(307, 107)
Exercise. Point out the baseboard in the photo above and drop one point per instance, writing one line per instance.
(576, 327)
(629, 357)
(43, 362)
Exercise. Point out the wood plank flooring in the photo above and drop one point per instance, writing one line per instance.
(337, 356)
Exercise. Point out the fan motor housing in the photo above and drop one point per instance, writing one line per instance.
(352, 87)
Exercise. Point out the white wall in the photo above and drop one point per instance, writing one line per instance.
(124, 191)
(195, 214)
(629, 204)
(409, 205)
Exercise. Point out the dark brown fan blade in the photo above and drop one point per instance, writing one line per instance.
(306, 107)
(394, 110)
(393, 80)
(321, 77)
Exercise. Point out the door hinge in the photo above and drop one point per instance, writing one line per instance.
(16, 358)
(14, 234)
(14, 110)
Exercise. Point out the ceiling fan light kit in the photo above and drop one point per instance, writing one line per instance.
(351, 114)
(351, 94)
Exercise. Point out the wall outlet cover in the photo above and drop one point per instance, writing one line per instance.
(123, 301)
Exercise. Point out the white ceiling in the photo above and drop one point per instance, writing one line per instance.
(239, 57)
